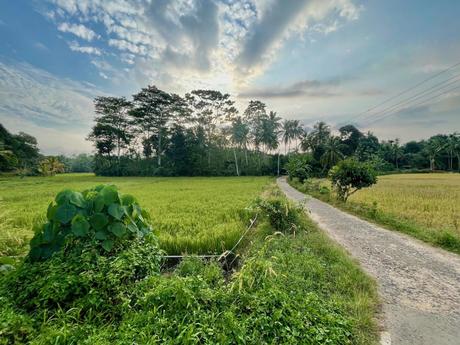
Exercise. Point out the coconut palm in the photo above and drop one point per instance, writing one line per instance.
(452, 142)
(332, 152)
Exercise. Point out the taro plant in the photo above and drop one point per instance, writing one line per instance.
(101, 217)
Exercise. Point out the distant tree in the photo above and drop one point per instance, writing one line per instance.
(333, 149)
(254, 115)
(432, 149)
(350, 175)
(112, 129)
(50, 166)
(368, 147)
(155, 111)
(350, 137)
(317, 137)
(299, 166)
(451, 145)
(396, 151)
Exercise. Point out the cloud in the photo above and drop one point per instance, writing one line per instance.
(284, 18)
(200, 40)
(74, 46)
(78, 30)
(58, 112)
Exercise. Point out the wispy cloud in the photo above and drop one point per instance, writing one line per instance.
(76, 47)
(78, 30)
(58, 112)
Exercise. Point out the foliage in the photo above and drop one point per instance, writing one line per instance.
(350, 175)
(100, 217)
(50, 166)
(298, 166)
(17, 151)
(282, 215)
(290, 289)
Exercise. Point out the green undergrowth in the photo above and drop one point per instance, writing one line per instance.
(292, 286)
(446, 239)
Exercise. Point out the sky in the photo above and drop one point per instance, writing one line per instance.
(312, 60)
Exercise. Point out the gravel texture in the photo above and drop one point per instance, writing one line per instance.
(419, 284)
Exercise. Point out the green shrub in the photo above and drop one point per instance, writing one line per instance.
(282, 215)
(350, 175)
(98, 217)
(94, 248)
(298, 166)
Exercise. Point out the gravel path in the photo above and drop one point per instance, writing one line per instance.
(419, 284)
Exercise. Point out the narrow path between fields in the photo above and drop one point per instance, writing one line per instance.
(419, 284)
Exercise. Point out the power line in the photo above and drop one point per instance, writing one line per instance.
(434, 88)
(407, 90)
(414, 105)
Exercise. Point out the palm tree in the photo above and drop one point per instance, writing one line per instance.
(51, 166)
(451, 146)
(432, 149)
(287, 133)
(333, 152)
(239, 136)
(297, 131)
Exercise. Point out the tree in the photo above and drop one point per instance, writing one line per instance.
(51, 166)
(254, 115)
(432, 149)
(292, 130)
(299, 166)
(211, 108)
(317, 137)
(396, 151)
(451, 147)
(155, 111)
(350, 175)
(350, 137)
(332, 152)
(112, 129)
(239, 132)
(368, 147)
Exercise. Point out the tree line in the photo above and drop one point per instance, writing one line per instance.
(203, 133)
(156, 133)
(19, 154)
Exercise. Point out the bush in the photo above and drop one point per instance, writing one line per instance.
(350, 175)
(282, 215)
(94, 248)
(98, 217)
(298, 166)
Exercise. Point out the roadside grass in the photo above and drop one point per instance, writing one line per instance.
(425, 206)
(290, 288)
(190, 215)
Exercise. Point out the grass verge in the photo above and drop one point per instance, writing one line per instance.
(447, 239)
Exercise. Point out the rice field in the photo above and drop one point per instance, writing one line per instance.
(194, 215)
(429, 200)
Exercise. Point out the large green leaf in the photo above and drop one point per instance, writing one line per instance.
(110, 194)
(98, 203)
(99, 220)
(118, 229)
(51, 211)
(48, 233)
(63, 196)
(107, 245)
(127, 200)
(101, 235)
(65, 212)
(116, 211)
(80, 225)
(77, 199)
